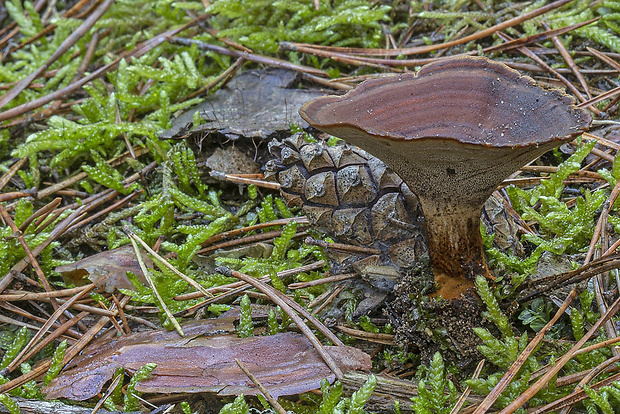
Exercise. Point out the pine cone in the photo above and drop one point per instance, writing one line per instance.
(353, 197)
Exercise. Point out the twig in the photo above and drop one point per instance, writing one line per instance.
(568, 59)
(544, 380)
(274, 403)
(108, 392)
(328, 279)
(467, 391)
(241, 180)
(147, 276)
(601, 97)
(283, 302)
(252, 57)
(340, 246)
(540, 37)
(379, 338)
(426, 49)
(43, 212)
(20, 297)
(173, 269)
(574, 397)
(328, 300)
(6, 177)
(522, 358)
(233, 233)
(62, 49)
(16, 194)
(16, 309)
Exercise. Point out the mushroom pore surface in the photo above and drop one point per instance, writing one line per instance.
(453, 133)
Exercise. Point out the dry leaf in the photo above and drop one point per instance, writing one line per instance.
(113, 264)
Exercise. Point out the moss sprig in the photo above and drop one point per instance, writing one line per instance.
(131, 402)
(432, 397)
(262, 24)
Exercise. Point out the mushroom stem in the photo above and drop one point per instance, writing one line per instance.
(455, 248)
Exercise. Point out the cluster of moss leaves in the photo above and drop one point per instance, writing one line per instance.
(262, 24)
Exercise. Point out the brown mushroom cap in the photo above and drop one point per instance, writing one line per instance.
(470, 100)
(453, 133)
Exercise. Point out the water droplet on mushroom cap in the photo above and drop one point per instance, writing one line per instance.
(444, 131)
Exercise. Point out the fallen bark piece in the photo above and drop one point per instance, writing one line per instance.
(285, 363)
(112, 264)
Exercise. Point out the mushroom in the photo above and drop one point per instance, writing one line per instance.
(453, 133)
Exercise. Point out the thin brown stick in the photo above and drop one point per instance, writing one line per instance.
(31, 257)
(107, 210)
(603, 57)
(6, 177)
(601, 97)
(540, 37)
(242, 180)
(274, 403)
(76, 35)
(522, 358)
(252, 57)
(574, 397)
(283, 302)
(43, 212)
(121, 314)
(71, 352)
(543, 381)
(16, 309)
(465, 394)
(248, 239)
(18, 297)
(136, 52)
(475, 36)
(379, 338)
(236, 232)
(328, 279)
(340, 246)
(329, 299)
(16, 194)
(108, 392)
(569, 59)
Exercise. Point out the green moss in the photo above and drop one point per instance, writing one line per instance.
(262, 24)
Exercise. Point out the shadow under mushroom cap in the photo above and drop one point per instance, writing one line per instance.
(471, 100)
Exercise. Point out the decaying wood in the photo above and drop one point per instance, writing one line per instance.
(54, 407)
(203, 361)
